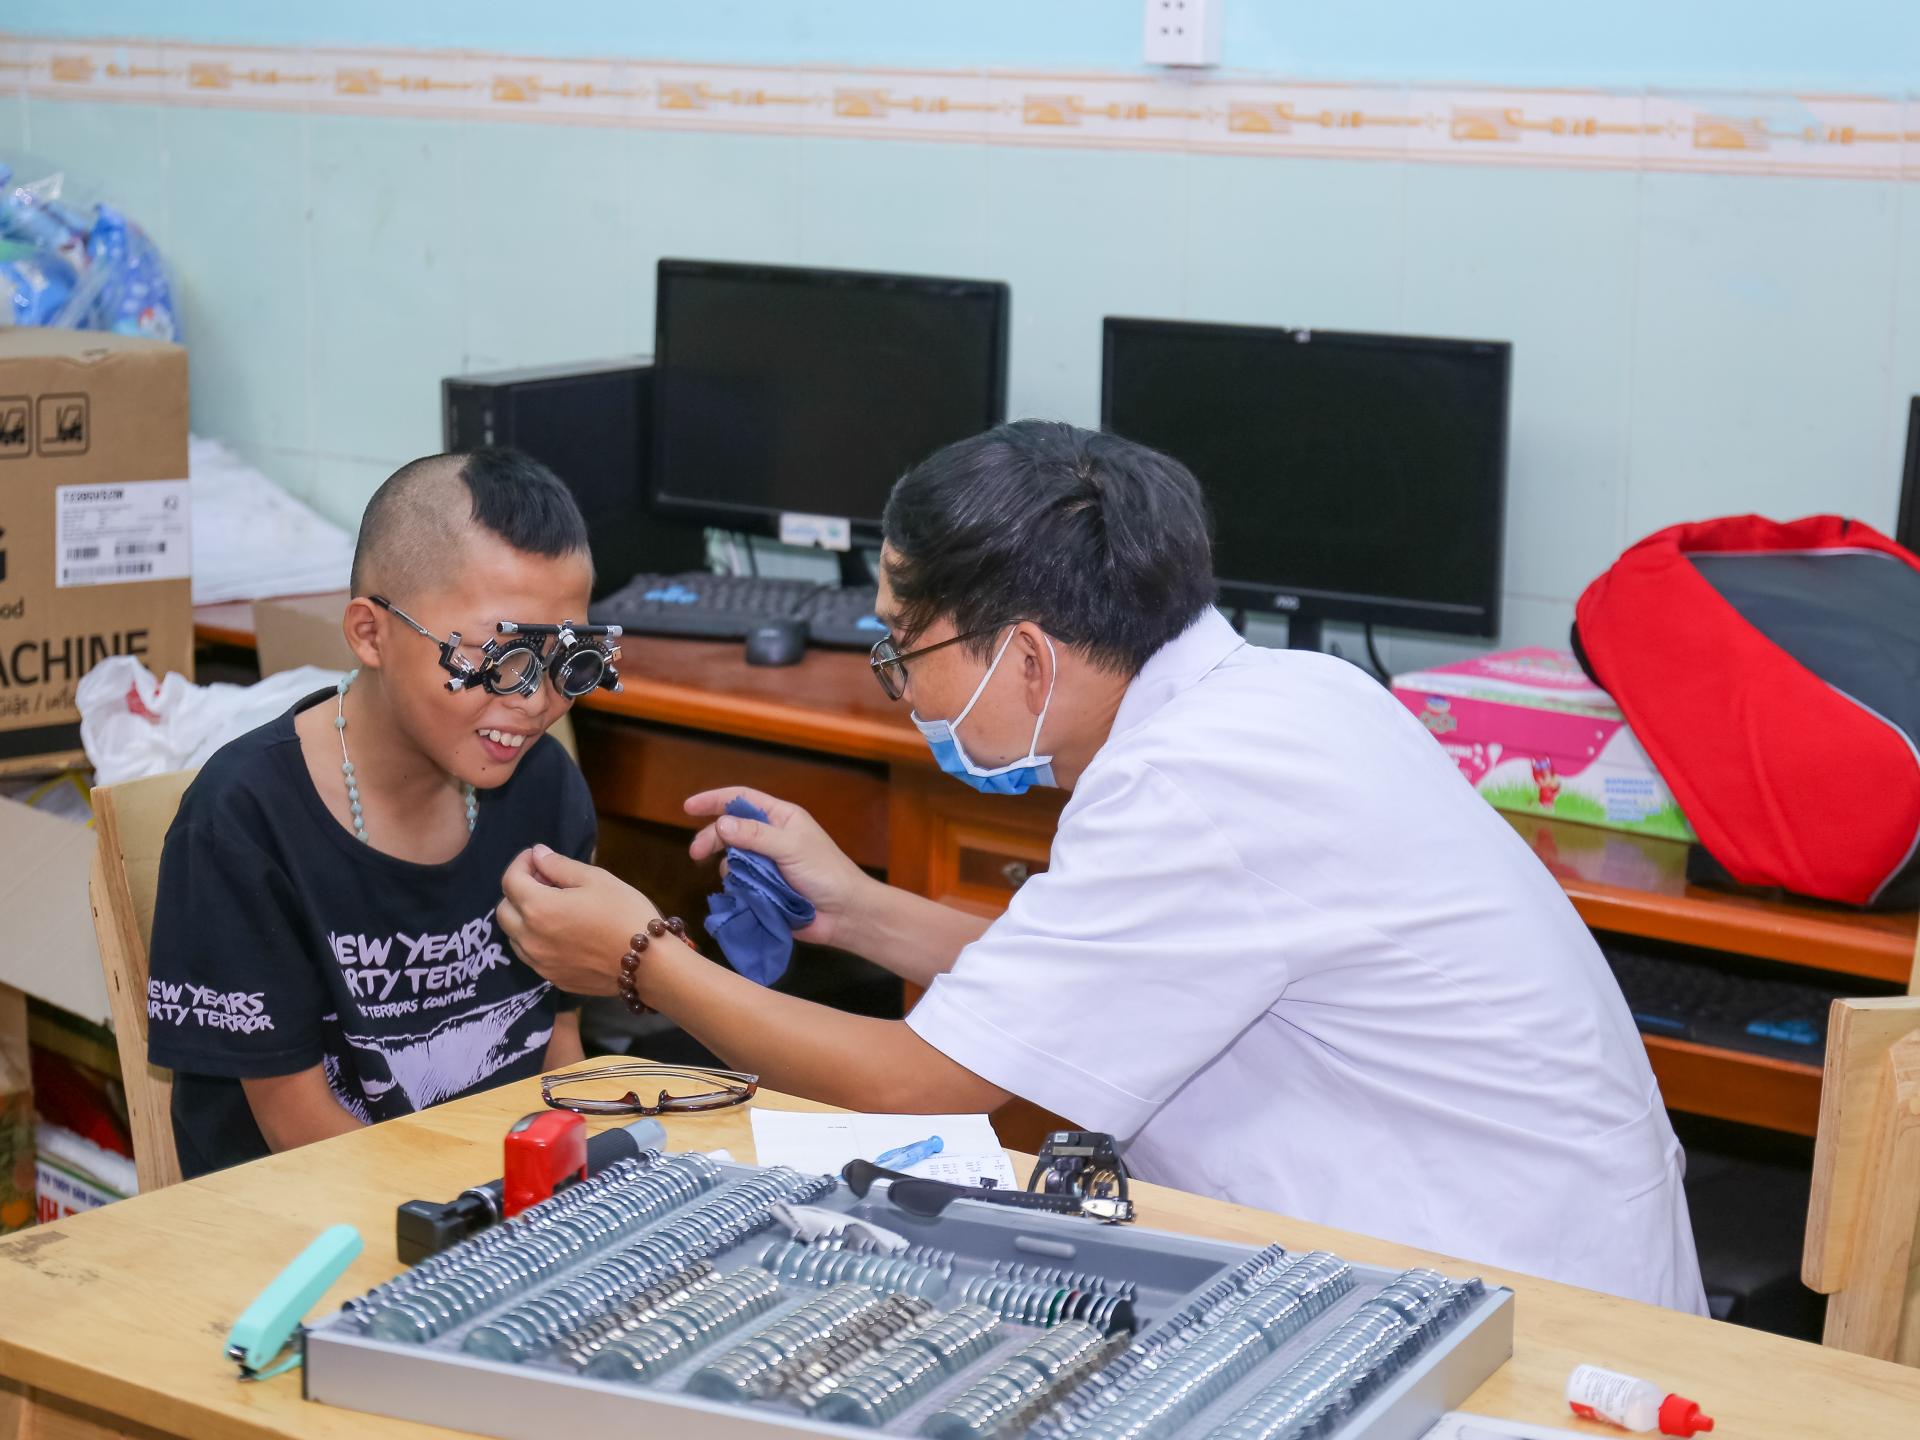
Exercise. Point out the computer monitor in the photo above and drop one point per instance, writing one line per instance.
(1906, 527)
(1351, 477)
(781, 391)
(590, 422)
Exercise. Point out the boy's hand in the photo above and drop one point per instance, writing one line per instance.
(794, 841)
(570, 921)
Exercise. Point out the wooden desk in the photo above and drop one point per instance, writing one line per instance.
(112, 1322)
(693, 715)
(228, 623)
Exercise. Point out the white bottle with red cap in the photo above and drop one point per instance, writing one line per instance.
(1597, 1394)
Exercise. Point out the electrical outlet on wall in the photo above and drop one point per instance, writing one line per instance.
(1184, 32)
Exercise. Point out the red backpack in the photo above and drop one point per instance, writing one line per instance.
(1772, 671)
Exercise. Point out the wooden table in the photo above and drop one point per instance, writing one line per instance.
(113, 1322)
(693, 714)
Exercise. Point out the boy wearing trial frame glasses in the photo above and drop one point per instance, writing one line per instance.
(325, 952)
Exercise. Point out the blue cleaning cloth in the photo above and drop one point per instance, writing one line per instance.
(755, 914)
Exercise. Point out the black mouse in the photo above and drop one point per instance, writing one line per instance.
(780, 641)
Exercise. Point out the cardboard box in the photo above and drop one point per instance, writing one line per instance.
(95, 536)
(51, 952)
(17, 1161)
(301, 630)
(19, 1164)
(1534, 735)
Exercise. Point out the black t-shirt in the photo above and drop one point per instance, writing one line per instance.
(281, 942)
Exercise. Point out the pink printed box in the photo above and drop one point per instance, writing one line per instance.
(1533, 734)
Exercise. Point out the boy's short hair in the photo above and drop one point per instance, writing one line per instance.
(413, 528)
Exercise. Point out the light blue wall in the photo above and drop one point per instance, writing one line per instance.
(1870, 44)
(1686, 345)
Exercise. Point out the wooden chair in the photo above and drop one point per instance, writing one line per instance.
(132, 820)
(1865, 1203)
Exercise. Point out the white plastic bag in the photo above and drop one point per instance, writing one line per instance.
(133, 725)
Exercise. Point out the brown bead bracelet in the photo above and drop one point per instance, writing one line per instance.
(636, 947)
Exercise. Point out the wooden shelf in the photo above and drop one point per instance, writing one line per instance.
(828, 705)
(230, 623)
(1732, 1085)
(1637, 885)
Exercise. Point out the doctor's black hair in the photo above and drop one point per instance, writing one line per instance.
(1102, 543)
(411, 531)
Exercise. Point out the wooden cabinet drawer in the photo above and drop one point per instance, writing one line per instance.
(963, 848)
(993, 863)
(641, 771)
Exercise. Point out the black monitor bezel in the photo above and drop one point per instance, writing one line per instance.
(1480, 620)
(730, 515)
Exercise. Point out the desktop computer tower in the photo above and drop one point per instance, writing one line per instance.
(591, 423)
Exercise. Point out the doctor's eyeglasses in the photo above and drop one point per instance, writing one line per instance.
(890, 663)
(578, 658)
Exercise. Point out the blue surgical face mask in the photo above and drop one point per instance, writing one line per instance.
(1014, 778)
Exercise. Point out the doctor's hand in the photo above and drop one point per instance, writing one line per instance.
(794, 841)
(569, 920)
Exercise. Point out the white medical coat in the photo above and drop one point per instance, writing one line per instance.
(1287, 954)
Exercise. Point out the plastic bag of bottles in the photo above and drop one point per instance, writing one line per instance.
(79, 268)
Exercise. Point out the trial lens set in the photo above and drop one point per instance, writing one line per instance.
(664, 1291)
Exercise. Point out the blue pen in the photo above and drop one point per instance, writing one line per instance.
(907, 1156)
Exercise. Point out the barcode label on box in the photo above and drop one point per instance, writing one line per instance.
(115, 534)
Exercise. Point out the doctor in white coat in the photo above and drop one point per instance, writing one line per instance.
(1282, 950)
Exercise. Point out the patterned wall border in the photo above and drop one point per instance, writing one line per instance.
(1849, 136)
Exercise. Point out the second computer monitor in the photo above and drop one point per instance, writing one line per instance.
(780, 390)
(1351, 477)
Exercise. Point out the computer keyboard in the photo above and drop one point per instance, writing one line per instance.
(1688, 1000)
(842, 616)
(726, 607)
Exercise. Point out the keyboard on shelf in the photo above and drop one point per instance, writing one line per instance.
(842, 616)
(725, 607)
(1690, 1000)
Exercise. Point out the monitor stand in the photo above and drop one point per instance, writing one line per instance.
(855, 572)
(1304, 632)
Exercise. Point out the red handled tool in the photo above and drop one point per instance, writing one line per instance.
(546, 1151)
(426, 1227)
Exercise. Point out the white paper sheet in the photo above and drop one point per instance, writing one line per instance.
(251, 539)
(1459, 1425)
(820, 1143)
